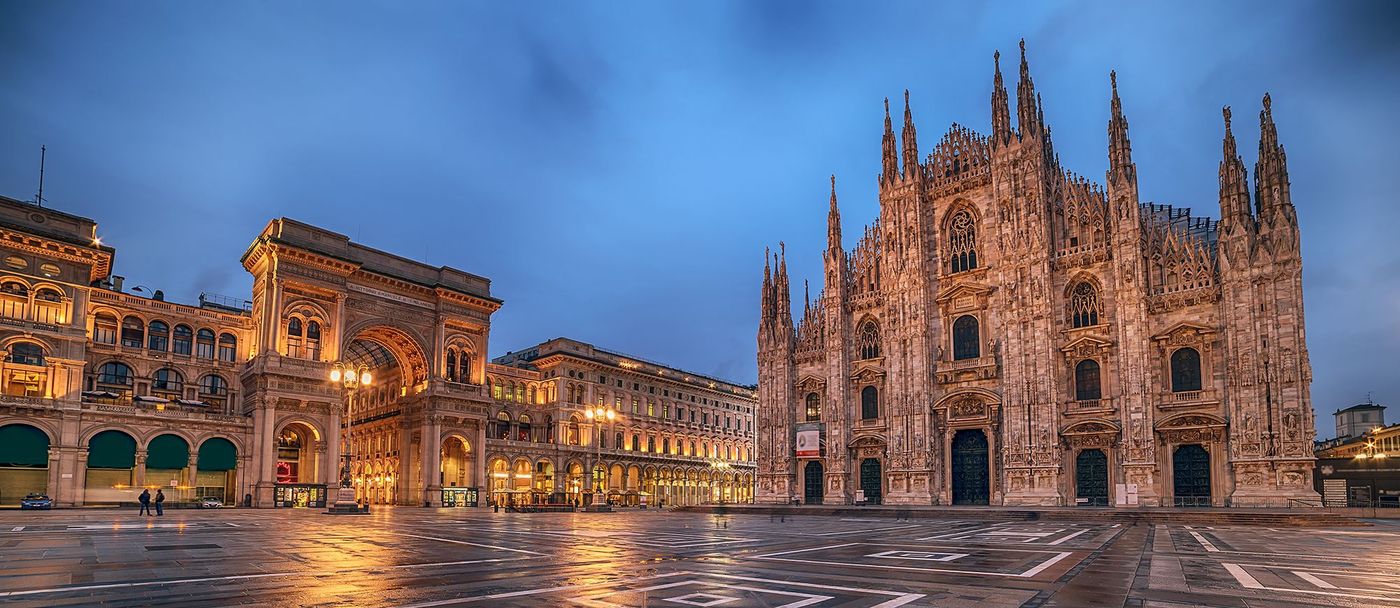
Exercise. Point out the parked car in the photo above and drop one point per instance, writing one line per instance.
(36, 501)
(211, 502)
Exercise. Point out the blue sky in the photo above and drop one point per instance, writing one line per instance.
(616, 168)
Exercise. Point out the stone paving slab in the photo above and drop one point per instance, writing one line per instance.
(444, 557)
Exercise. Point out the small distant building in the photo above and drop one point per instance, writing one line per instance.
(1361, 466)
(1357, 419)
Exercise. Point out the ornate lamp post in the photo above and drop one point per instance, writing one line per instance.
(597, 415)
(350, 378)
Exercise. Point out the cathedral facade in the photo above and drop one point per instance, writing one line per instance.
(1009, 333)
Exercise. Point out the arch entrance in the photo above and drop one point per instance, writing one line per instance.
(812, 480)
(1091, 478)
(969, 468)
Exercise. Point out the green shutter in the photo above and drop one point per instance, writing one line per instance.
(218, 454)
(167, 452)
(112, 450)
(24, 446)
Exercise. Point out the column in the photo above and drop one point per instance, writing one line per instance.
(432, 461)
(483, 483)
(140, 480)
(265, 452)
(328, 465)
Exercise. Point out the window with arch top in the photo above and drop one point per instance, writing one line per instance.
(158, 336)
(962, 242)
(184, 339)
(1186, 370)
(1084, 305)
(1087, 383)
(204, 344)
(26, 353)
(868, 341)
(869, 403)
(967, 340)
(814, 407)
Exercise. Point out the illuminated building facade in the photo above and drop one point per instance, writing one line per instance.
(1010, 333)
(677, 438)
(107, 388)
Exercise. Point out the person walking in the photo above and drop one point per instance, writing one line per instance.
(160, 498)
(145, 500)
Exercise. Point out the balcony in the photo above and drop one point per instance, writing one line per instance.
(1184, 399)
(1086, 406)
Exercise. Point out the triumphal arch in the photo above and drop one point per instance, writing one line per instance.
(420, 330)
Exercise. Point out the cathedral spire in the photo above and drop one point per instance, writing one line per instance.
(1271, 171)
(911, 141)
(1001, 112)
(1120, 149)
(1234, 189)
(766, 301)
(780, 284)
(1027, 104)
(890, 151)
(833, 221)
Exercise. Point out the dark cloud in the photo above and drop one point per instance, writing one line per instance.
(616, 168)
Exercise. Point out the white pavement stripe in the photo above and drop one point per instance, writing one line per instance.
(239, 577)
(531, 592)
(1041, 568)
(864, 531)
(463, 542)
(1314, 580)
(1244, 578)
(17, 529)
(1204, 543)
(805, 550)
(1056, 542)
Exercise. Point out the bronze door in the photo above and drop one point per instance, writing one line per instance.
(970, 459)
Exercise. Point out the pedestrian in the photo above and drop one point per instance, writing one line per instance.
(145, 500)
(160, 498)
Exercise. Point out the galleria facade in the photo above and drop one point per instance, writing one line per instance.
(1009, 333)
(106, 390)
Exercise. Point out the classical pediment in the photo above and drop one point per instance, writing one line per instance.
(1191, 421)
(867, 373)
(1184, 331)
(810, 384)
(867, 441)
(1087, 345)
(1091, 427)
(964, 294)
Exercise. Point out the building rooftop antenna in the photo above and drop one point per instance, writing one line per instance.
(39, 198)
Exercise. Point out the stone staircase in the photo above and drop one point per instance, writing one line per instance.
(1283, 518)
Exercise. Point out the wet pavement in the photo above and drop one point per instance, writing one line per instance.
(449, 557)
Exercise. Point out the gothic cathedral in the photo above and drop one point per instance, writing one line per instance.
(1010, 333)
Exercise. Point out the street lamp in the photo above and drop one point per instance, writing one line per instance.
(350, 378)
(597, 415)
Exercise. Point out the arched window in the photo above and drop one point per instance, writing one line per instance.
(1087, 385)
(522, 430)
(502, 425)
(636, 443)
(651, 445)
(618, 441)
(464, 368)
(184, 340)
(158, 336)
(1186, 370)
(962, 242)
(167, 380)
(14, 300)
(27, 353)
(204, 344)
(114, 373)
(313, 341)
(133, 333)
(104, 329)
(868, 341)
(228, 347)
(48, 306)
(967, 341)
(814, 407)
(213, 385)
(451, 365)
(869, 403)
(665, 445)
(1084, 305)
